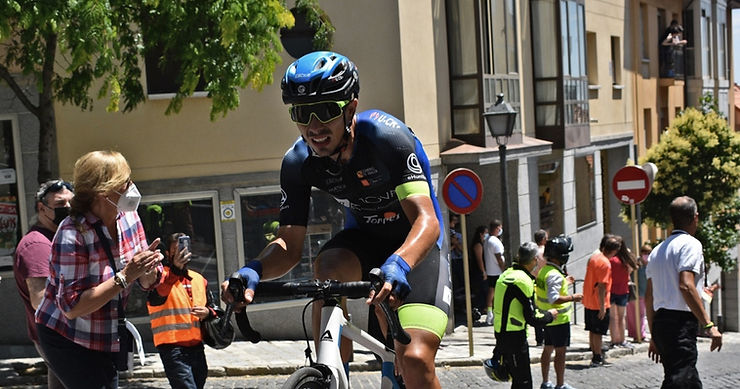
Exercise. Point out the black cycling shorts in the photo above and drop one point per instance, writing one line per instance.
(429, 280)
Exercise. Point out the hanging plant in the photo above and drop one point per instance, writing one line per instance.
(318, 21)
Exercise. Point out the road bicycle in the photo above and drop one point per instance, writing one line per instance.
(328, 370)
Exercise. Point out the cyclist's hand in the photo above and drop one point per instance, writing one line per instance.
(395, 270)
(240, 287)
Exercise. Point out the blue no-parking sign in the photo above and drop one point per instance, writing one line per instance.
(462, 191)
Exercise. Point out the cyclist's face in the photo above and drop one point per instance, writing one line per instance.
(324, 138)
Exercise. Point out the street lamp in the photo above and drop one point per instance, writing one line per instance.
(500, 119)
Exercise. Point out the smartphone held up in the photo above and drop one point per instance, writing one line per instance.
(183, 242)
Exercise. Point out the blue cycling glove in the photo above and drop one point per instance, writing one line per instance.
(395, 270)
(251, 274)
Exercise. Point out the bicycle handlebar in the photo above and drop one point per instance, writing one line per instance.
(317, 290)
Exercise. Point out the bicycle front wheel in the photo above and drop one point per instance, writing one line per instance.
(306, 378)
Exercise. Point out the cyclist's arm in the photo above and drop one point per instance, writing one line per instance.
(283, 253)
(424, 232)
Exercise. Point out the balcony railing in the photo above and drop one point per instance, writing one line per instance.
(671, 62)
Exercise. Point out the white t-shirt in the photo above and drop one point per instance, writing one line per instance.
(680, 252)
(492, 247)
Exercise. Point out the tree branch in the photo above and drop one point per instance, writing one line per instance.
(5, 75)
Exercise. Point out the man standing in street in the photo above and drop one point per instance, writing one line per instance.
(31, 262)
(493, 255)
(514, 308)
(596, 293)
(551, 291)
(674, 308)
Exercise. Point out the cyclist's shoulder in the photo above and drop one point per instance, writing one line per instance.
(378, 125)
(297, 153)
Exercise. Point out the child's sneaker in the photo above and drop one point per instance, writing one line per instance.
(564, 386)
(547, 385)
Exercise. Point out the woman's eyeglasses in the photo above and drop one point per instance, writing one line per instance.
(325, 111)
(52, 187)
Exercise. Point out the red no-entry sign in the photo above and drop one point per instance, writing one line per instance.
(631, 185)
(462, 191)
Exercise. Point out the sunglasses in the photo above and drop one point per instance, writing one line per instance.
(54, 187)
(325, 111)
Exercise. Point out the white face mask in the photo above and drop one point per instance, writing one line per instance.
(500, 231)
(129, 200)
(486, 236)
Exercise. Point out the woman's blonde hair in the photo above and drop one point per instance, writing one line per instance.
(97, 172)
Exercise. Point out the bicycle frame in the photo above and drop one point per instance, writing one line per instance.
(333, 327)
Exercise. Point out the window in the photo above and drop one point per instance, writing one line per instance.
(706, 43)
(644, 42)
(722, 52)
(10, 207)
(491, 26)
(592, 68)
(165, 81)
(194, 214)
(545, 50)
(259, 214)
(585, 190)
(615, 66)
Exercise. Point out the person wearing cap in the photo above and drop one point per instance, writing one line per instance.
(375, 166)
(31, 260)
(514, 308)
(551, 290)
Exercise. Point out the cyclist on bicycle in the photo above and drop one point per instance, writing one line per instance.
(373, 165)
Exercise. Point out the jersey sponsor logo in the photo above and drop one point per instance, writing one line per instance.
(378, 199)
(301, 89)
(415, 177)
(283, 198)
(387, 217)
(384, 119)
(412, 163)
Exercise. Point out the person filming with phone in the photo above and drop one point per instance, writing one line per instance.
(176, 308)
(374, 165)
(98, 252)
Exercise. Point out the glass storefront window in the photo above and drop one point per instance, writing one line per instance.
(585, 190)
(10, 207)
(260, 212)
(193, 216)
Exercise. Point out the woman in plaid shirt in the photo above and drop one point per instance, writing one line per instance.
(77, 319)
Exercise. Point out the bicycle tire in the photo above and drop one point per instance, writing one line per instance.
(306, 378)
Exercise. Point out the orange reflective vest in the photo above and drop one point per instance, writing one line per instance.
(172, 322)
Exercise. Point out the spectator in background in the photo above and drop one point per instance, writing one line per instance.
(478, 276)
(177, 307)
(641, 286)
(596, 294)
(31, 264)
(540, 238)
(551, 292)
(674, 308)
(622, 265)
(493, 255)
(77, 318)
(673, 35)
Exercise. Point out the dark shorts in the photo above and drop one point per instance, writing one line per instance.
(429, 280)
(557, 335)
(593, 324)
(491, 280)
(619, 299)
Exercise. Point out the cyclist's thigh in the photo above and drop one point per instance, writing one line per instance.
(428, 305)
(369, 251)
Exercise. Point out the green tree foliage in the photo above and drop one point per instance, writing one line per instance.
(70, 47)
(699, 156)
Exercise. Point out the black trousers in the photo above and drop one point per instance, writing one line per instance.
(515, 351)
(674, 333)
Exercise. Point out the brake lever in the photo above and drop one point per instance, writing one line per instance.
(236, 288)
(394, 325)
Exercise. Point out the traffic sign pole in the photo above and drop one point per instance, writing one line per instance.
(462, 191)
(466, 268)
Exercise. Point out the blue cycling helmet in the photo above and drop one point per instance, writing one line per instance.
(320, 76)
